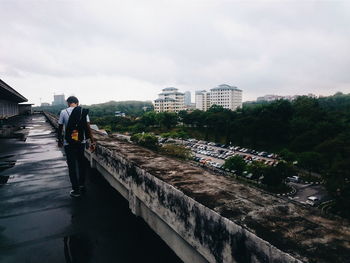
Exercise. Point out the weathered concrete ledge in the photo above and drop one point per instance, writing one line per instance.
(204, 217)
(52, 119)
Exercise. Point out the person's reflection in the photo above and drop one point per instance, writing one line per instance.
(77, 248)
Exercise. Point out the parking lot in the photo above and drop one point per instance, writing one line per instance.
(213, 154)
(305, 191)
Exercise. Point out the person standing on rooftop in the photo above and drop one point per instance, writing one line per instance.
(74, 122)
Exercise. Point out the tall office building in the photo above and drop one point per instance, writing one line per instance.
(170, 100)
(223, 95)
(187, 98)
(202, 99)
(58, 100)
(226, 96)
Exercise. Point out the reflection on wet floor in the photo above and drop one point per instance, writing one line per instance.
(4, 165)
(77, 248)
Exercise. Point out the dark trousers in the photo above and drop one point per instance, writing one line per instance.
(76, 165)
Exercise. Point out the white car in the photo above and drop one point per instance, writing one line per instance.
(312, 200)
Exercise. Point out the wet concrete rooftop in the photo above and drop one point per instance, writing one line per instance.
(40, 222)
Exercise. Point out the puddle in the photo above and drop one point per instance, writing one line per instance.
(6, 156)
(4, 165)
(37, 132)
(40, 120)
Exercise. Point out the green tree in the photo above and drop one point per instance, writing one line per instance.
(182, 115)
(285, 169)
(311, 161)
(257, 169)
(287, 155)
(236, 163)
(182, 135)
(166, 120)
(149, 119)
(272, 177)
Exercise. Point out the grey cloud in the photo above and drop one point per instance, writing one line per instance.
(284, 47)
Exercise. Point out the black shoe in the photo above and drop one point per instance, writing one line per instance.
(82, 189)
(74, 193)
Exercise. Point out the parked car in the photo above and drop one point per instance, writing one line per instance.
(294, 179)
(312, 200)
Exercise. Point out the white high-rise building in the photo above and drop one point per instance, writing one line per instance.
(223, 95)
(202, 99)
(226, 96)
(170, 100)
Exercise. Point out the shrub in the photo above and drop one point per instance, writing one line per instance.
(177, 151)
(235, 163)
(147, 140)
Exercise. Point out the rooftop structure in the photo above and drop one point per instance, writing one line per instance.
(9, 99)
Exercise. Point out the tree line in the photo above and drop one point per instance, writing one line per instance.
(107, 109)
(313, 132)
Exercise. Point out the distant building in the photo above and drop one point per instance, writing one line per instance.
(187, 98)
(58, 100)
(9, 99)
(190, 107)
(226, 96)
(202, 99)
(119, 114)
(45, 104)
(269, 98)
(25, 108)
(310, 95)
(170, 100)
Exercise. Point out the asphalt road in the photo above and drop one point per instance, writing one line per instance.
(306, 190)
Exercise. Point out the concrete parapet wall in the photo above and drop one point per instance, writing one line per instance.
(208, 236)
(52, 119)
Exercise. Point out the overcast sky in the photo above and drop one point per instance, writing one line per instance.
(130, 50)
